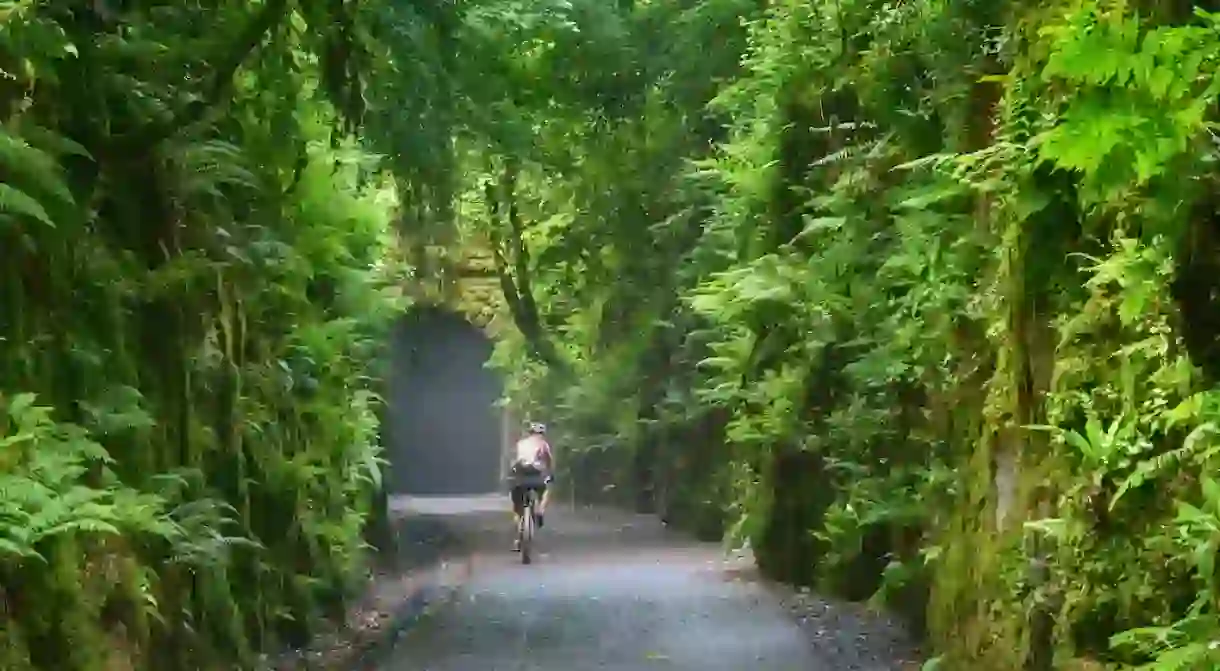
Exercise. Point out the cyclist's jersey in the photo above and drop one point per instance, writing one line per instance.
(533, 451)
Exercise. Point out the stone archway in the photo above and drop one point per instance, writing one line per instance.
(444, 431)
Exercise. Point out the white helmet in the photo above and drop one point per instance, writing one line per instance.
(537, 427)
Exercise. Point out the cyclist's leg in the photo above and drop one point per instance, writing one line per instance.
(518, 498)
(544, 493)
(546, 497)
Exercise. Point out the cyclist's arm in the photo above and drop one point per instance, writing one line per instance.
(549, 456)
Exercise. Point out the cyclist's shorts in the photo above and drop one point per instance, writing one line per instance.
(526, 478)
(518, 495)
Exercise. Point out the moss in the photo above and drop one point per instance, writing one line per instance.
(801, 493)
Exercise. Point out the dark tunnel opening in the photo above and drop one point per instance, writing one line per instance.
(442, 425)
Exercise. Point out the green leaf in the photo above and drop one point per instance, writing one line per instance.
(19, 551)
(19, 405)
(16, 203)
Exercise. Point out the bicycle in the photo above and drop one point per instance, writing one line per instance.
(528, 524)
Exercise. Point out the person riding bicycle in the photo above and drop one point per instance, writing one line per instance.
(533, 468)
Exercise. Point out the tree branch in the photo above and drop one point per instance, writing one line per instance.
(267, 18)
(514, 276)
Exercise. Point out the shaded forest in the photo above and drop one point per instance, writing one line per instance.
(916, 299)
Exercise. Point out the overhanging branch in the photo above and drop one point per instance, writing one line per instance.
(514, 275)
(221, 84)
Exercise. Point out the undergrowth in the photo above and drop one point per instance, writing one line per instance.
(913, 298)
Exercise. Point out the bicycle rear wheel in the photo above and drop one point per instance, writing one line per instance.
(527, 530)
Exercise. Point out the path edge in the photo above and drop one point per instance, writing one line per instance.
(352, 647)
(430, 593)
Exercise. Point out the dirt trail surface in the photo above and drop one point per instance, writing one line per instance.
(612, 592)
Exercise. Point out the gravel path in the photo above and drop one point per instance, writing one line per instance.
(847, 637)
(614, 592)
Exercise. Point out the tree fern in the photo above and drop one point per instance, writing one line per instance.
(33, 182)
(17, 204)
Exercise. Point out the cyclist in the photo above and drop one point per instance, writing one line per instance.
(534, 460)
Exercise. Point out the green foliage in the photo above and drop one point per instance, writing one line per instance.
(200, 265)
(911, 297)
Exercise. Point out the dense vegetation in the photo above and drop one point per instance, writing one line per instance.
(917, 298)
(196, 264)
(914, 297)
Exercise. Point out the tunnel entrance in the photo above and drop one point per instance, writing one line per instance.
(442, 425)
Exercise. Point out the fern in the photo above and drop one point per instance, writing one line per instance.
(16, 203)
(33, 181)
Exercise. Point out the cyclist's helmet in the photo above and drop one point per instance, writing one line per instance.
(538, 428)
